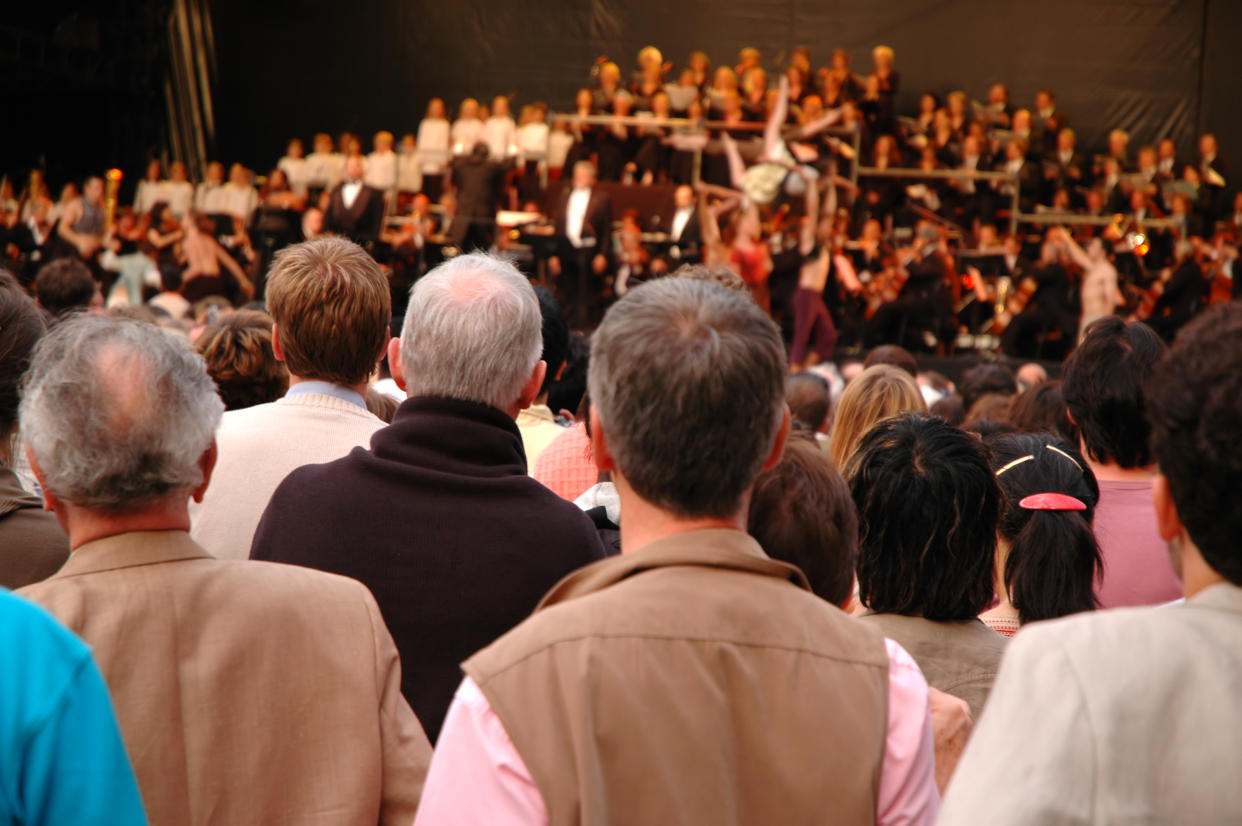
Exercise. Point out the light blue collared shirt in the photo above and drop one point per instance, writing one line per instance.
(326, 388)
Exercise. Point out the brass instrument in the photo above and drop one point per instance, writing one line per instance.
(112, 185)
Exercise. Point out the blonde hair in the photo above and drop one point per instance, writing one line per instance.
(879, 392)
(882, 51)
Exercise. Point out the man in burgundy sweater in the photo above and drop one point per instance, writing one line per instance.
(439, 518)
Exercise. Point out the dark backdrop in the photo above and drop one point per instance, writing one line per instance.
(82, 81)
(1155, 67)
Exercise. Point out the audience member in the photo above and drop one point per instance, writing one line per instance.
(983, 379)
(1132, 714)
(894, 355)
(66, 285)
(1046, 555)
(538, 423)
(240, 359)
(782, 688)
(809, 397)
(331, 306)
(32, 544)
(1040, 408)
(927, 510)
(878, 392)
(990, 407)
(62, 759)
(462, 542)
(246, 693)
(801, 512)
(1103, 388)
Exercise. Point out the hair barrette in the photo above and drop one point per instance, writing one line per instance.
(1051, 502)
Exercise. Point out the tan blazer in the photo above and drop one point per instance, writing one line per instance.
(1123, 717)
(247, 692)
(259, 447)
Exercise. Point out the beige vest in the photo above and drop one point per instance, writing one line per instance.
(693, 681)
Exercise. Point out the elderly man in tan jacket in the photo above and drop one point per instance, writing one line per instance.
(247, 692)
(1135, 715)
(693, 679)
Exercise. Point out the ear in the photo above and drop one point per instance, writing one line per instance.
(782, 436)
(531, 391)
(50, 502)
(1168, 521)
(206, 463)
(599, 443)
(394, 362)
(276, 348)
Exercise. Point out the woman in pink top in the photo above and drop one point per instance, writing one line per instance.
(1046, 555)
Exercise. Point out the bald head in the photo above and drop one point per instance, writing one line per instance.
(118, 413)
(473, 331)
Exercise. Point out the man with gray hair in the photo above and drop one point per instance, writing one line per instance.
(692, 679)
(331, 308)
(444, 526)
(246, 693)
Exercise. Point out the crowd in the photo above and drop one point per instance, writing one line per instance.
(346, 540)
(726, 156)
(304, 552)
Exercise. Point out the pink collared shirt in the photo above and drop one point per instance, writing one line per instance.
(478, 777)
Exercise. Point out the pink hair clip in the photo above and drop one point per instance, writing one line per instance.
(1051, 502)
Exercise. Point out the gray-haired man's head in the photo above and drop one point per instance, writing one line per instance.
(687, 380)
(117, 413)
(473, 331)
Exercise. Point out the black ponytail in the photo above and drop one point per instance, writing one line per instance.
(1054, 558)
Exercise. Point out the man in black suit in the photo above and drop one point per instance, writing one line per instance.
(684, 233)
(583, 221)
(355, 210)
(478, 180)
(1066, 168)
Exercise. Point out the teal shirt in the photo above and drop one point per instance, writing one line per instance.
(62, 760)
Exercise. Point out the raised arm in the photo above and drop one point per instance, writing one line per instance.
(232, 266)
(806, 242)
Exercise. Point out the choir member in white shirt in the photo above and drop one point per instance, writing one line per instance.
(467, 128)
(178, 191)
(240, 197)
(409, 166)
(295, 167)
(433, 148)
(321, 165)
(150, 189)
(499, 131)
(211, 198)
(381, 165)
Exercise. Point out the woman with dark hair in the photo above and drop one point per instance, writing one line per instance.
(927, 509)
(32, 544)
(801, 513)
(1046, 555)
(1041, 409)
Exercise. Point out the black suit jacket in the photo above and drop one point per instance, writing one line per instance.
(597, 222)
(441, 521)
(361, 221)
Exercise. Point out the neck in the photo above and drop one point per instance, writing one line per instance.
(643, 522)
(1196, 573)
(360, 389)
(84, 525)
(1113, 472)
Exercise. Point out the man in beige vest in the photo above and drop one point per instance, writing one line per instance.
(331, 306)
(1135, 715)
(692, 679)
(246, 692)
